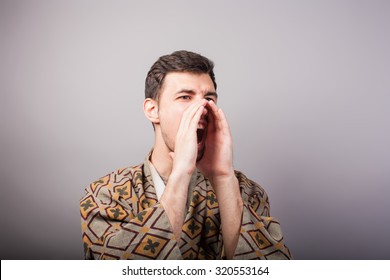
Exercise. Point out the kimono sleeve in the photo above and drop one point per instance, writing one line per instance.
(261, 236)
(120, 222)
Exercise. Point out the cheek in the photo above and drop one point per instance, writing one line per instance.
(174, 111)
(176, 117)
(170, 119)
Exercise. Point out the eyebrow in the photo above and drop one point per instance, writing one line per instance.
(192, 92)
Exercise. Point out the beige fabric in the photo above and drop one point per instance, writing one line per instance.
(121, 218)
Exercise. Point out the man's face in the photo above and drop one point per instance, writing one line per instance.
(179, 91)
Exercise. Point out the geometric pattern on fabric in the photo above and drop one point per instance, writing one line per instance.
(87, 205)
(192, 228)
(260, 240)
(121, 218)
(98, 226)
(150, 246)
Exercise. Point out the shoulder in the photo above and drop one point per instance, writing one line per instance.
(247, 183)
(118, 181)
(249, 188)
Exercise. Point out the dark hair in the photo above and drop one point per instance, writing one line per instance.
(179, 61)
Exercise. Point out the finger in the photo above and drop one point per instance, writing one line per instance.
(216, 115)
(210, 119)
(190, 112)
(187, 137)
(196, 118)
(220, 118)
(224, 123)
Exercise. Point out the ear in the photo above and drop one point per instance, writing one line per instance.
(151, 110)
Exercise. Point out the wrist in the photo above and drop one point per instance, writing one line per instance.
(176, 188)
(182, 169)
(179, 176)
(227, 178)
(226, 187)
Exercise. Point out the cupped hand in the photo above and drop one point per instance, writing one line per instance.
(186, 148)
(217, 161)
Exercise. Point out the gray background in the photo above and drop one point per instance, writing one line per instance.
(304, 85)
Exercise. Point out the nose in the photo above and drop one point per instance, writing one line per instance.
(204, 114)
(204, 118)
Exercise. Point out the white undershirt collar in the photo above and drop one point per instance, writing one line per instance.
(158, 182)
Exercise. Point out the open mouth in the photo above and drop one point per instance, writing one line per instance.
(200, 135)
(201, 132)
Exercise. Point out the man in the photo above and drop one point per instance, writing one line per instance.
(185, 201)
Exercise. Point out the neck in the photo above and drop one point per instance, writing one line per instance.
(160, 158)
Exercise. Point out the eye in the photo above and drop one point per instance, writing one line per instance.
(211, 98)
(185, 97)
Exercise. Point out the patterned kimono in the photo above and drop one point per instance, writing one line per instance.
(121, 218)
